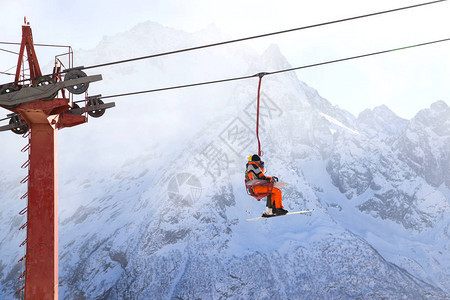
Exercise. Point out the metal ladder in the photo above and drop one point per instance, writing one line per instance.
(25, 165)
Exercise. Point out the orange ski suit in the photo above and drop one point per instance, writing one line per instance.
(276, 195)
(254, 171)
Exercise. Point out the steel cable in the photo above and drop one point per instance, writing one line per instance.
(263, 35)
(278, 71)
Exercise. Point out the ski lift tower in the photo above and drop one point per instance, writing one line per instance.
(40, 106)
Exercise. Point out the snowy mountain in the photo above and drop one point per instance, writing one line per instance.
(152, 201)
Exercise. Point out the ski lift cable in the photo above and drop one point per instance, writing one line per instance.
(9, 51)
(236, 40)
(360, 56)
(278, 71)
(12, 52)
(263, 35)
(46, 45)
(179, 86)
(6, 73)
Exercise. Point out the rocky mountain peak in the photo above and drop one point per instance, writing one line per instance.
(170, 222)
(381, 122)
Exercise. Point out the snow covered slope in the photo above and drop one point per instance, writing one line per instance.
(152, 201)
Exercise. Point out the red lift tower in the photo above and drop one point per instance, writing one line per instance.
(40, 106)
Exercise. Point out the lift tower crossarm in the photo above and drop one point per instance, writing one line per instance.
(30, 94)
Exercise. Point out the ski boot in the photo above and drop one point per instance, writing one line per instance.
(279, 211)
(268, 213)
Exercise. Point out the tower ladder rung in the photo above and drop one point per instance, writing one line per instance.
(25, 164)
(25, 179)
(23, 226)
(25, 149)
(22, 275)
(26, 134)
(20, 290)
(23, 211)
(23, 243)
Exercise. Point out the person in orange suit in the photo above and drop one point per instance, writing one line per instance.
(255, 170)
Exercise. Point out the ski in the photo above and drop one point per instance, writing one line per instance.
(290, 213)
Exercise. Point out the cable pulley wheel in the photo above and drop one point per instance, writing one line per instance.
(8, 88)
(97, 113)
(45, 81)
(79, 88)
(75, 107)
(21, 126)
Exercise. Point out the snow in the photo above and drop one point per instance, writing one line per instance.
(334, 121)
(380, 226)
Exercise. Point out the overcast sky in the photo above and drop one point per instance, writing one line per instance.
(405, 81)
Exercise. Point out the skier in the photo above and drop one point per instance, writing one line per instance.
(255, 170)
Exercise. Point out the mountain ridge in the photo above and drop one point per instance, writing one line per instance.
(166, 221)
